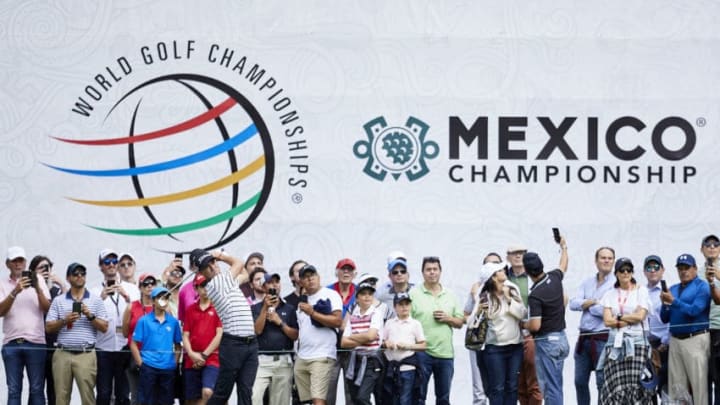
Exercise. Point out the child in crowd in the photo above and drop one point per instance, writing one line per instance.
(402, 336)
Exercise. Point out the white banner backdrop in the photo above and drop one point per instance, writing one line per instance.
(249, 125)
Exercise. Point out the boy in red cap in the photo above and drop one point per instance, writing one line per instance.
(202, 332)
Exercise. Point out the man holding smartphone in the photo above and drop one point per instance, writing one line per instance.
(22, 307)
(76, 316)
(658, 334)
(710, 249)
(277, 329)
(687, 307)
(111, 348)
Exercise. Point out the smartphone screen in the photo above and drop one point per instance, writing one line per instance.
(77, 307)
(110, 283)
(26, 273)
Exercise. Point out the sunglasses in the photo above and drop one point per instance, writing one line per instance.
(625, 270)
(125, 265)
(108, 262)
(176, 273)
(652, 268)
(148, 283)
(396, 272)
(711, 244)
(79, 273)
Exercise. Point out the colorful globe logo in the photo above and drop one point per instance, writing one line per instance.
(197, 163)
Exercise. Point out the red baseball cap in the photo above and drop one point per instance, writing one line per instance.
(199, 279)
(346, 262)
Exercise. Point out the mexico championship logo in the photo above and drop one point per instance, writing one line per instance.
(396, 150)
(195, 155)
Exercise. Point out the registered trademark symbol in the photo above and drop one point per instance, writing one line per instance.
(700, 122)
(297, 198)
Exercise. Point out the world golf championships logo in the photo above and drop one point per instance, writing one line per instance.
(396, 150)
(218, 109)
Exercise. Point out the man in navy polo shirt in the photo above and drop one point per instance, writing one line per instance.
(687, 307)
(277, 330)
(159, 334)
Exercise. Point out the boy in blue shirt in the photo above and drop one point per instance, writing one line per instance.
(156, 349)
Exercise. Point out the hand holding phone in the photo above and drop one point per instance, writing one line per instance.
(272, 291)
(109, 284)
(28, 275)
(556, 235)
(178, 259)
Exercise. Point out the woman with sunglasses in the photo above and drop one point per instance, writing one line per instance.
(42, 266)
(624, 357)
(135, 311)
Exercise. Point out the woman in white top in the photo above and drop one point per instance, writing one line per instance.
(500, 360)
(627, 348)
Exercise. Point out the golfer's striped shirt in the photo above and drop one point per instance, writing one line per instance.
(231, 305)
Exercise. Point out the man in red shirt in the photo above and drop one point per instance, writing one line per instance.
(202, 332)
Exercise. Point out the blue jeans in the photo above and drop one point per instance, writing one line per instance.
(550, 352)
(156, 386)
(111, 367)
(19, 356)
(402, 394)
(442, 371)
(238, 365)
(500, 371)
(585, 363)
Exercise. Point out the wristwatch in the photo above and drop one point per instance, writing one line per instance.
(91, 317)
(619, 318)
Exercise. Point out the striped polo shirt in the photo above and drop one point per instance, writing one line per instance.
(231, 305)
(81, 332)
(361, 323)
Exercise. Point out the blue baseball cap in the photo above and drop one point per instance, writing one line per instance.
(685, 259)
(396, 262)
(158, 291)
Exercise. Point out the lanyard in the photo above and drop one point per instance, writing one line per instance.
(621, 304)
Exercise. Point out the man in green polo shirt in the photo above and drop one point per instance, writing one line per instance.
(438, 311)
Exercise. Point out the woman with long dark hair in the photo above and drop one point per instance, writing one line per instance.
(627, 350)
(501, 358)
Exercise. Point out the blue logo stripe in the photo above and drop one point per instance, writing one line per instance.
(231, 143)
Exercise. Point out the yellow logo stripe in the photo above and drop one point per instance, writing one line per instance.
(233, 178)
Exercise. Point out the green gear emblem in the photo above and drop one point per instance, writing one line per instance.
(396, 150)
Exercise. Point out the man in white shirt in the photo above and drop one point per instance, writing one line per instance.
(319, 316)
(110, 348)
